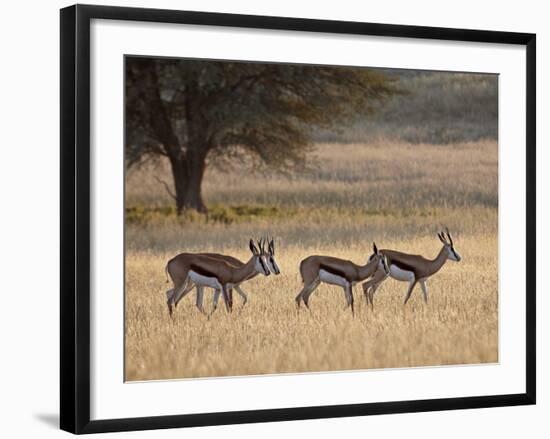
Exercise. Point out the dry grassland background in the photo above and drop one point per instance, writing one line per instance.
(396, 193)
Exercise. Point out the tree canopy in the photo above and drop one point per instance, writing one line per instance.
(196, 112)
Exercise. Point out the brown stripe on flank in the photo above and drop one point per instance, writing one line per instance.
(202, 271)
(334, 271)
(402, 265)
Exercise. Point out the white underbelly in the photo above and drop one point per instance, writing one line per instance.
(332, 279)
(204, 281)
(400, 274)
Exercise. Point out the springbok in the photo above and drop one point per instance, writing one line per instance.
(271, 264)
(190, 269)
(336, 271)
(412, 268)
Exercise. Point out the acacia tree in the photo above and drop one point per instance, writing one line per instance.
(196, 112)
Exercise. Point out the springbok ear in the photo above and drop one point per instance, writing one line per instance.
(375, 249)
(253, 248)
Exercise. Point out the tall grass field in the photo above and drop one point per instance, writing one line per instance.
(396, 193)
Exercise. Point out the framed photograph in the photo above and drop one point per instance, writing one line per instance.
(268, 219)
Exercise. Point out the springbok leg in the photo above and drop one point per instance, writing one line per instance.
(242, 294)
(424, 290)
(311, 288)
(348, 291)
(200, 297)
(409, 292)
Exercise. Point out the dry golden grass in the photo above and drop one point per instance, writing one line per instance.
(379, 176)
(395, 194)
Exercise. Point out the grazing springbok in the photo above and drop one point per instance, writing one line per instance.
(412, 268)
(190, 269)
(336, 271)
(271, 264)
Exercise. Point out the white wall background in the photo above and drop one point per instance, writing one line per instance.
(29, 206)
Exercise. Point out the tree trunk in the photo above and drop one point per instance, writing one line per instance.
(188, 174)
(179, 172)
(187, 169)
(196, 164)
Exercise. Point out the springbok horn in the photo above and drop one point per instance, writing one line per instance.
(252, 247)
(449, 235)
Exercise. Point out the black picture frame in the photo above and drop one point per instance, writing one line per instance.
(75, 218)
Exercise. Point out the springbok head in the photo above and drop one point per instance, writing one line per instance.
(382, 261)
(447, 242)
(260, 263)
(270, 257)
